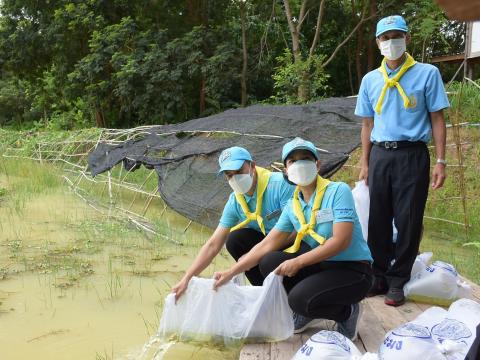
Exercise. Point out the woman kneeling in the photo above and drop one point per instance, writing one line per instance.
(327, 269)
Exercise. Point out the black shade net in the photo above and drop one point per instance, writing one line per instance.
(185, 156)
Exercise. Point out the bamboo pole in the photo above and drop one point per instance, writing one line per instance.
(461, 171)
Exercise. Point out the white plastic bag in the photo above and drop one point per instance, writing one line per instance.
(361, 198)
(231, 313)
(437, 284)
(421, 261)
(328, 345)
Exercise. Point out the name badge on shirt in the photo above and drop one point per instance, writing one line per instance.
(324, 215)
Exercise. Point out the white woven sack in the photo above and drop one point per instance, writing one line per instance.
(328, 345)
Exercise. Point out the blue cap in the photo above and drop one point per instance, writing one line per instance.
(233, 158)
(394, 22)
(298, 144)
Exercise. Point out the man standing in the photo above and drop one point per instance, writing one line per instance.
(401, 104)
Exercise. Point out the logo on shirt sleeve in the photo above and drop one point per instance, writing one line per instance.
(344, 212)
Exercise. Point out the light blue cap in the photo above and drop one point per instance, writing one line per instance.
(233, 158)
(298, 144)
(394, 22)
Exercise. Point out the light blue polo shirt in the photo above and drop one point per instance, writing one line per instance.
(338, 197)
(275, 197)
(422, 84)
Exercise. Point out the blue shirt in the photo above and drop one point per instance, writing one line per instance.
(275, 197)
(338, 197)
(422, 83)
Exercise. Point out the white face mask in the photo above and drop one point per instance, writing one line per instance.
(393, 49)
(302, 172)
(241, 183)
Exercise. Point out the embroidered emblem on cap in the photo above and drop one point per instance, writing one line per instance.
(390, 20)
(298, 141)
(225, 155)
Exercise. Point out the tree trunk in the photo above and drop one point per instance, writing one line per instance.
(194, 11)
(201, 108)
(204, 21)
(303, 92)
(350, 76)
(99, 118)
(243, 77)
(293, 32)
(372, 44)
(358, 59)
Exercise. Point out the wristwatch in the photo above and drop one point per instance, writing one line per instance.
(442, 161)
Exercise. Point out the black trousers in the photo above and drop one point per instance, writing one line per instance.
(474, 352)
(398, 180)
(240, 242)
(325, 290)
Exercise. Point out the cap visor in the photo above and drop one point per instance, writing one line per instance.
(301, 148)
(231, 165)
(393, 28)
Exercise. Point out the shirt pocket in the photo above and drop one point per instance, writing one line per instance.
(417, 101)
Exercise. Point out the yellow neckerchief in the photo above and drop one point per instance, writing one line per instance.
(389, 83)
(263, 175)
(308, 229)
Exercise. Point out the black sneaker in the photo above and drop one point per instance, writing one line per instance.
(349, 327)
(301, 323)
(395, 297)
(379, 287)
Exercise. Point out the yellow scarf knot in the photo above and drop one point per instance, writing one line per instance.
(394, 82)
(308, 229)
(263, 176)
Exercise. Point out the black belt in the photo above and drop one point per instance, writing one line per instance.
(398, 144)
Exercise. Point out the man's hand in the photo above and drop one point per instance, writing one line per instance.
(438, 176)
(180, 288)
(221, 278)
(288, 268)
(364, 174)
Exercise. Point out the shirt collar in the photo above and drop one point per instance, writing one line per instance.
(310, 202)
(393, 72)
(249, 198)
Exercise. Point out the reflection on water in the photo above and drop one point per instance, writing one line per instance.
(74, 285)
(161, 349)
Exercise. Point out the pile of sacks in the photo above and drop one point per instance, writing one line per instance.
(438, 283)
(436, 334)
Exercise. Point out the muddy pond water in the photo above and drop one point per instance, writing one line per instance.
(75, 284)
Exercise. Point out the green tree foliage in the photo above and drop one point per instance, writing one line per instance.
(290, 75)
(68, 64)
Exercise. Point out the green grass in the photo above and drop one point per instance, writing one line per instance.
(466, 98)
(25, 179)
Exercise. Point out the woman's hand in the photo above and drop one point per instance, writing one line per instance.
(221, 278)
(180, 288)
(288, 268)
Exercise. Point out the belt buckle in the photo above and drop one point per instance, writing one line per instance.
(391, 145)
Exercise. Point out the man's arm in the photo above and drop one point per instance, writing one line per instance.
(367, 126)
(208, 251)
(439, 132)
(275, 240)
